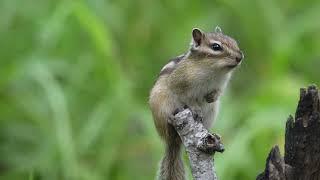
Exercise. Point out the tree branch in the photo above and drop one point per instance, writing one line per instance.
(199, 143)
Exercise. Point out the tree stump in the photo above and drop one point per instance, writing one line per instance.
(302, 143)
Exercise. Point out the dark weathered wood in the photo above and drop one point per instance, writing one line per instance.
(199, 143)
(275, 167)
(302, 147)
(302, 143)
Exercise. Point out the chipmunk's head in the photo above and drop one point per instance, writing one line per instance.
(218, 50)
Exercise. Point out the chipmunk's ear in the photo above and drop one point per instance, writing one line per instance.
(197, 36)
(218, 30)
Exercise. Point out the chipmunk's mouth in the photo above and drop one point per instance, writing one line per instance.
(232, 66)
(232, 63)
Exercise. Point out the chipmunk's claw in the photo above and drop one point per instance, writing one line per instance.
(197, 114)
(212, 96)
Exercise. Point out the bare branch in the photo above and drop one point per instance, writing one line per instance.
(199, 143)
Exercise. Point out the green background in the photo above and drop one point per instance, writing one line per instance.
(75, 78)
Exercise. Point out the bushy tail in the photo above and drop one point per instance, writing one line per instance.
(171, 167)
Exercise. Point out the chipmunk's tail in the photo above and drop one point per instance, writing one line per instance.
(171, 167)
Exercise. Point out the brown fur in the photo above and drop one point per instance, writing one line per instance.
(195, 79)
(174, 62)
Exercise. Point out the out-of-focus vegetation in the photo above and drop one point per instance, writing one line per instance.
(75, 78)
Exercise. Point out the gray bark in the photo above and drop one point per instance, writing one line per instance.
(199, 144)
(302, 143)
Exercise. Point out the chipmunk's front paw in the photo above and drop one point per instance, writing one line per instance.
(212, 96)
(174, 113)
(197, 114)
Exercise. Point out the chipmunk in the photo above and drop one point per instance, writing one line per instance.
(196, 80)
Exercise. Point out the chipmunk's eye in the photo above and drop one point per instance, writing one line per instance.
(216, 47)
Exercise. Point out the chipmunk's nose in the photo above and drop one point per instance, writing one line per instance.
(239, 57)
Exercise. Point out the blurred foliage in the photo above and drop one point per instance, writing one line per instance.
(75, 78)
